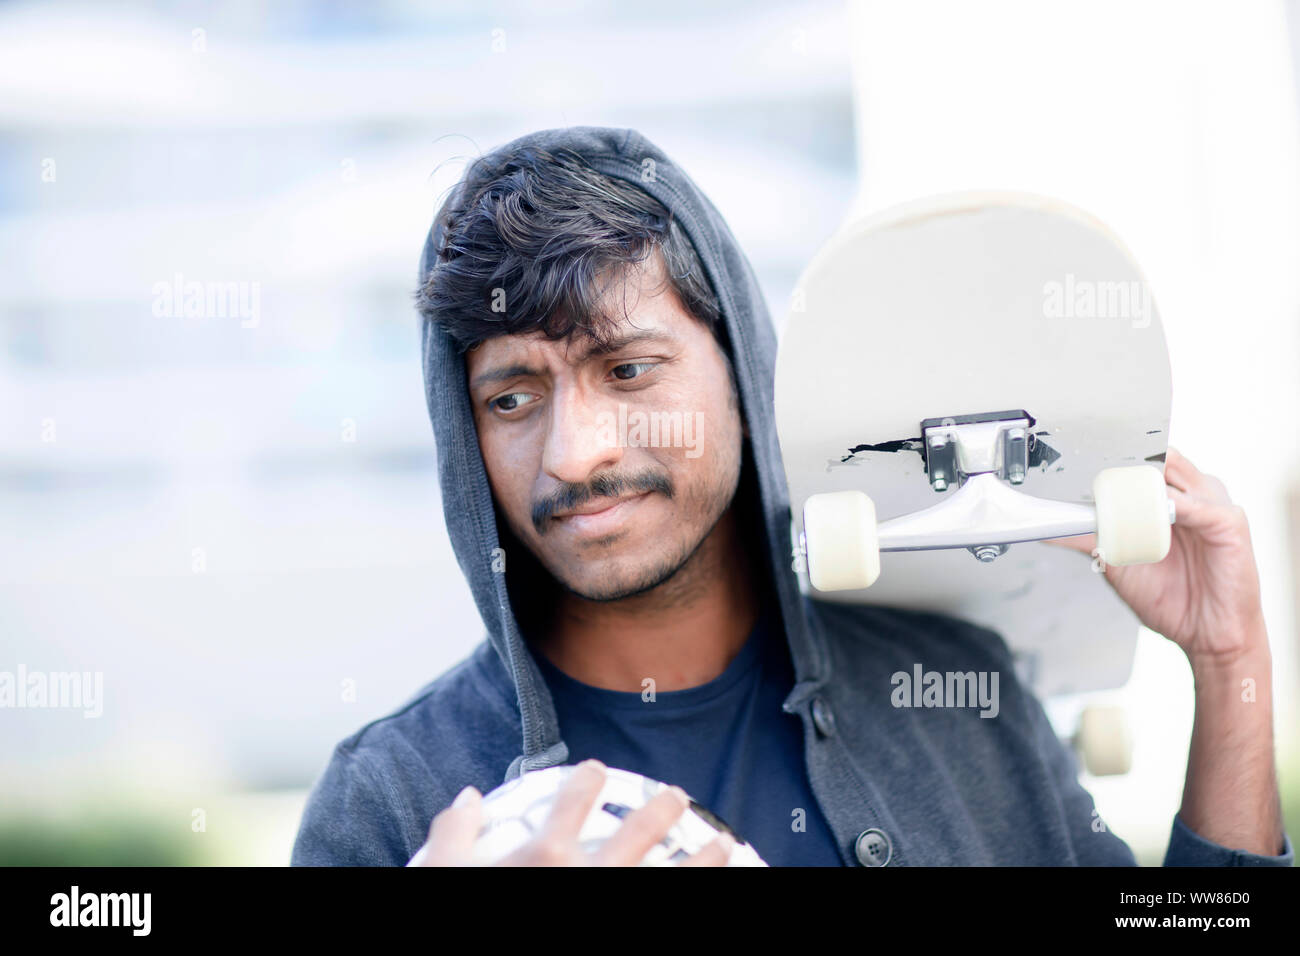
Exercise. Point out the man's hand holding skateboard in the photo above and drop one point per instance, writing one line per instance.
(1205, 597)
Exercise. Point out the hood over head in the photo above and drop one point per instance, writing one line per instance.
(466, 495)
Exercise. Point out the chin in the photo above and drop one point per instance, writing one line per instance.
(615, 580)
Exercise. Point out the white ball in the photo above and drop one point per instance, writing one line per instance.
(515, 811)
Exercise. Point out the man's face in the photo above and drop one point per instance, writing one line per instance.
(611, 465)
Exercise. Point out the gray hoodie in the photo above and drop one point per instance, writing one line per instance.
(897, 785)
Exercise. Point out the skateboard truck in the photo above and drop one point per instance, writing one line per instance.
(974, 444)
(982, 515)
(982, 455)
(985, 456)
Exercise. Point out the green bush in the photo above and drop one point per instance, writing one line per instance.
(122, 839)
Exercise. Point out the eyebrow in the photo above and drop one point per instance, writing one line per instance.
(519, 370)
(503, 373)
(621, 342)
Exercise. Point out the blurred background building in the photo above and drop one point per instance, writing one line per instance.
(235, 517)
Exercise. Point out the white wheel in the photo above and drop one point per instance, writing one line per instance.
(840, 540)
(1104, 741)
(1132, 515)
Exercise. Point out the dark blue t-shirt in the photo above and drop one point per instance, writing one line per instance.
(727, 743)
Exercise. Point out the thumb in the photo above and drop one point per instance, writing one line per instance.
(453, 832)
(1077, 542)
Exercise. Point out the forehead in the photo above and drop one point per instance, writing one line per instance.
(635, 313)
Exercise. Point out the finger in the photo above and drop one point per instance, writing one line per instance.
(1179, 472)
(1214, 490)
(573, 801)
(717, 853)
(452, 833)
(1195, 513)
(1076, 542)
(1183, 475)
(643, 828)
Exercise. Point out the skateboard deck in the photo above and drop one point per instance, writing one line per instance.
(960, 309)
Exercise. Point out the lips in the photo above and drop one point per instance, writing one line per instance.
(600, 515)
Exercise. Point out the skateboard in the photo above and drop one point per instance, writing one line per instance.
(959, 379)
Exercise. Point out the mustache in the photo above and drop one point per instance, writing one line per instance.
(571, 494)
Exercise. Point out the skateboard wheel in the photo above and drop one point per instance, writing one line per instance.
(1104, 741)
(1132, 515)
(840, 537)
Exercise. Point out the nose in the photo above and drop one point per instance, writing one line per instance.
(582, 436)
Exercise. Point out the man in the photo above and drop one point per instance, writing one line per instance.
(638, 594)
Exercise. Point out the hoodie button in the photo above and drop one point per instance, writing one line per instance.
(873, 848)
(823, 717)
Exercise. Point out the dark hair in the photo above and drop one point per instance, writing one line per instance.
(532, 240)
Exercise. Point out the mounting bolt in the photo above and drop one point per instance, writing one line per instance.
(1016, 455)
(988, 552)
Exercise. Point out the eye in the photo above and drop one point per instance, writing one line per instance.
(631, 370)
(511, 402)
